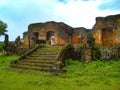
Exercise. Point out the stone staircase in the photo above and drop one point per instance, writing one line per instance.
(42, 59)
(88, 54)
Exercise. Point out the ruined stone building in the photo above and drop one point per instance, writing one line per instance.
(64, 34)
(106, 32)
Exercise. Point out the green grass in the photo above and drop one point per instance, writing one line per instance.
(97, 75)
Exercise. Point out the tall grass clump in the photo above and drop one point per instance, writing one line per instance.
(2, 46)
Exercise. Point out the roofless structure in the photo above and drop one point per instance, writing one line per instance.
(106, 32)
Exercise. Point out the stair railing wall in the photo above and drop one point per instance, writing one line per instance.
(24, 55)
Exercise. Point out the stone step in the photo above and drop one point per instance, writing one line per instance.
(41, 58)
(31, 68)
(39, 61)
(87, 53)
(88, 50)
(39, 50)
(39, 55)
(48, 65)
(45, 53)
(50, 48)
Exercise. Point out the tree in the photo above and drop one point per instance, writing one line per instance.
(3, 27)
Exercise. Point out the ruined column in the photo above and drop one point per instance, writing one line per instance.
(6, 41)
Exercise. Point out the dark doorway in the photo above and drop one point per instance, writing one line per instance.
(37, 40)
(49, 34)
(34, 37)
(107, 37)
(36, 34)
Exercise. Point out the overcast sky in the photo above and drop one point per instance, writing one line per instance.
(18, 14)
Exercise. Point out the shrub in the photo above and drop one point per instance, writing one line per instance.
(96, 53)
(66, 53)
(79, 52)
(1, 46)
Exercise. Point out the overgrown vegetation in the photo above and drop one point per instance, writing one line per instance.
(98, 52)
(66, 53)
(110, 52)
(3, 27)
(2, 46)
(78, 52)
(96, 75)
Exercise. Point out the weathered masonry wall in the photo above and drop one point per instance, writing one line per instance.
(106, 30)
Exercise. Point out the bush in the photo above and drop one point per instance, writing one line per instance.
(66, 53)
(2, 46)
(79, 52)
(96, 53)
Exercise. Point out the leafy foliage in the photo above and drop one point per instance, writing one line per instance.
(3, 27)
(96, 54)
(2, 45)
(79, 52)
(66, 53)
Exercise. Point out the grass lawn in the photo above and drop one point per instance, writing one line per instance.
(97, 75)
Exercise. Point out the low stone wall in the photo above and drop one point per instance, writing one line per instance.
(110, 53)
(24, 55)
(83, 53)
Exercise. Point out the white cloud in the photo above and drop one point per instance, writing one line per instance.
(18, 14)
(81, 13)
